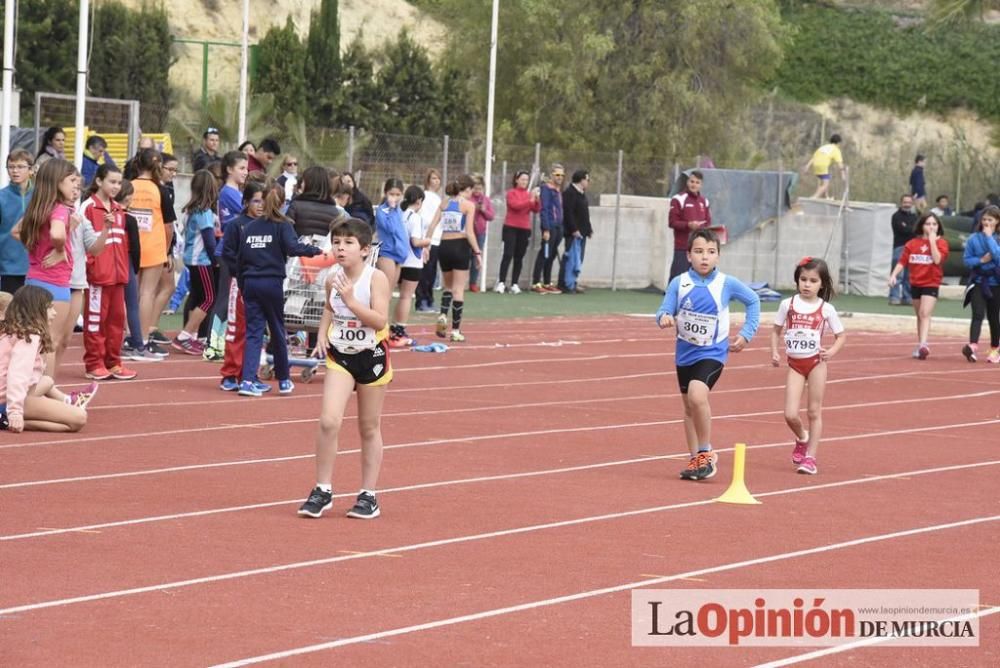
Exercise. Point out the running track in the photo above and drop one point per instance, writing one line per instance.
(529, 483)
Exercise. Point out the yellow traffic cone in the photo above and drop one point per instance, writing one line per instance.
(738, 492)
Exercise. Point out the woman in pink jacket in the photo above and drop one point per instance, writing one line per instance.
(517, 230)
(28, 398)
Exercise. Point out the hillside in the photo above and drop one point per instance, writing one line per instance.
(222, 21)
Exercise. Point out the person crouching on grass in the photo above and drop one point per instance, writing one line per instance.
(697, 304)
(265, 246)
(353, 332)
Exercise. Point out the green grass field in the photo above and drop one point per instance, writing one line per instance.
(602, 302)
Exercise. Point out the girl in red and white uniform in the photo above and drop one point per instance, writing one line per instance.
(924, 254)
(804, 318)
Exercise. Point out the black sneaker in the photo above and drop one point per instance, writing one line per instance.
(690, 472)
(708, 464)
(317, 502)
(154, 348)
(158, 337)
(365, 508)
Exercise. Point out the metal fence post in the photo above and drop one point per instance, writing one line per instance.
(777, 229)
(444, 170)
(503, 175)
(538, 157)
(465, 163)
(350, 150)
(618, 208)
(957, 206)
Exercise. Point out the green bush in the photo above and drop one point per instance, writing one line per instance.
(871, 56)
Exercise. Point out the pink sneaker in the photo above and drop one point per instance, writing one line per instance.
(799, 453)
(994, 356)
(808, 466)
(923, 351)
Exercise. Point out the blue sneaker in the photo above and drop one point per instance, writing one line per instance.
(261, 387)
(229, 385)
(285, 386)
(249, 389)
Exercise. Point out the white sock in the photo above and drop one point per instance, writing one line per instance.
(326, 488)
(184, 335)
(367, 491)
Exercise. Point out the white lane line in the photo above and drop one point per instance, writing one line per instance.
(457, 540)
(488, 437)
(430, 485)
(579, 596)
(251, 425)
(867, 642)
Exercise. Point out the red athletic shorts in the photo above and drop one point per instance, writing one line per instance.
(804, 365)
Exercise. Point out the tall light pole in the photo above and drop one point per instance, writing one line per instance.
(244, 57)
(8, 86)
(81, 83)
(491, 98)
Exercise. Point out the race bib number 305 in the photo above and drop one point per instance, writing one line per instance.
(802, 342)
(698, 329)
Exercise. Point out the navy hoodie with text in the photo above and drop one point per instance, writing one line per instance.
(265, 246)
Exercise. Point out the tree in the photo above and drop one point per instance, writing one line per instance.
(281, 59)
(454, 114)
(358, 100)
(46, 48)
(323, 64)
(406, 81)
(651, 77)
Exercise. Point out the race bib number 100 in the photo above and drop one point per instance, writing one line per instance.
(350, 336)
(698, 329)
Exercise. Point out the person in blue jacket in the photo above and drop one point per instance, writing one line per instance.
(394, 241)
(697, 305)
(982, 257)
(13, 203)
(265, 245)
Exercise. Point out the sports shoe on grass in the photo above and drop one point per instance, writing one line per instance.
(229, 384)
(441, 329)
(365, 508)
(994, 356)
(100, 373)
(707, 464)
(515, 289)
(923, 351)
(188, 346)
(81, 398)
(317, 502)
(499, 288)
(552, 289)
(123, 373)
(539, 288)
(249, 389)
(808, 466)
(799, 453)
(457, 336)
(285, 386)
(690, 472)
(970, 350)
(157, 336)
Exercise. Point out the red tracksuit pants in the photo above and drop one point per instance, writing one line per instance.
(236, 333)
(104, 326)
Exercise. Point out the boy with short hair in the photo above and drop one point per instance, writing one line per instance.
(697, 304)
(353, 333)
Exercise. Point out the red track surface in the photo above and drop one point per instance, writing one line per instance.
(515, 474)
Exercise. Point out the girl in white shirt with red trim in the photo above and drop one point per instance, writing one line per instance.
(804, 317)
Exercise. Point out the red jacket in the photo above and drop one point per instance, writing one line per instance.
(110, 266)
(520, 205)
(685, 207)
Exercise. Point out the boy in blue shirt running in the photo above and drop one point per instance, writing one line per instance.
(697, 304)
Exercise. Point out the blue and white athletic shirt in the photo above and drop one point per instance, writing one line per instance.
(452, 218)
(700, 306)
